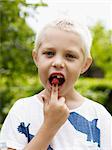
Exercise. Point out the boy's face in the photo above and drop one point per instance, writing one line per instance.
(60, 55)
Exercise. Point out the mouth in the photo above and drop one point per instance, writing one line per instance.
(56, 78)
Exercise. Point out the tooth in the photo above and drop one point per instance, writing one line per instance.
(58, 76)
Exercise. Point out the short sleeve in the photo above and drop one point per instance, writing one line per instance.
(9, 132)
(106, 128)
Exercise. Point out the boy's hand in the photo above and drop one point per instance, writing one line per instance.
(56, 111)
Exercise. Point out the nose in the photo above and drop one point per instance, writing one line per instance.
(58, 63)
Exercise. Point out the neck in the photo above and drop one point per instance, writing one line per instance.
(72, 98)
(70, 95)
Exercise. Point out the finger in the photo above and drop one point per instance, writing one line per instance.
(54, 92)
(62, 100)
(45, 101)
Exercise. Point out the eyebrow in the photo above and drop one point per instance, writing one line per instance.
(72, 52)
(69, 50)
(48, 47)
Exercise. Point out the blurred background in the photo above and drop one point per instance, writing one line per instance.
(19, 22)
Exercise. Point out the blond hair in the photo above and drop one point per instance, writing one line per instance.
(68, 25)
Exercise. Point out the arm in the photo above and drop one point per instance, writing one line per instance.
(55, 114)
(42, 139)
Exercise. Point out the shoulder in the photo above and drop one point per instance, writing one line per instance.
(99, 108)
(28, 103)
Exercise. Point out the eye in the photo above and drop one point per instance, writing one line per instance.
(70, 56)
(49, 54)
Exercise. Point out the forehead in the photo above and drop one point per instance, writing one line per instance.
(61, 38)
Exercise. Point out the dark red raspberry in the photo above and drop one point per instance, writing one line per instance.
(55, 81)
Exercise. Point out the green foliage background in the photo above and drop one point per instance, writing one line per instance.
(18, 74)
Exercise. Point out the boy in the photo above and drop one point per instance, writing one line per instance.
(59, 118)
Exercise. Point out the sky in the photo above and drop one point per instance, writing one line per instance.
(87, 12)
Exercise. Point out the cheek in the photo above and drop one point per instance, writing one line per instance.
(74, 73)
(43, 73)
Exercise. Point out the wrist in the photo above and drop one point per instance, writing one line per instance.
(51, 128)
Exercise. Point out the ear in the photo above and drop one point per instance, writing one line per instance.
(86, 64)
(35, 57)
